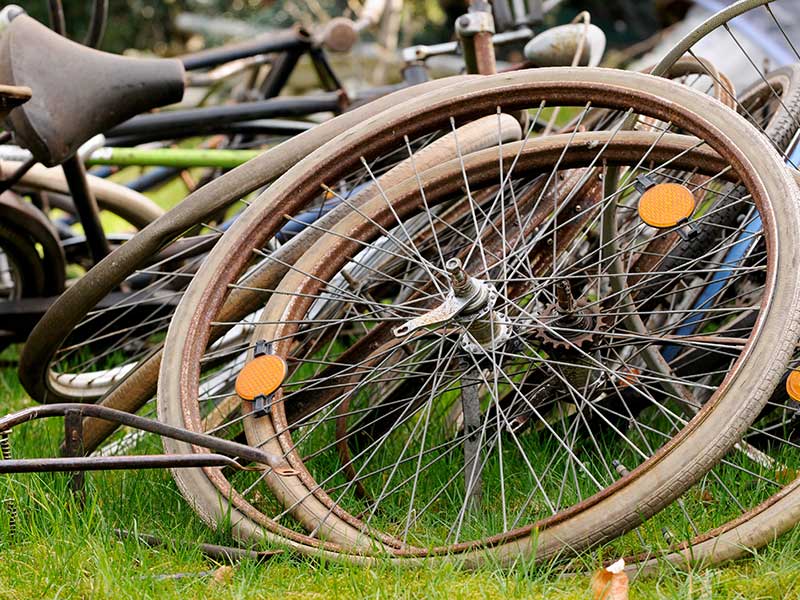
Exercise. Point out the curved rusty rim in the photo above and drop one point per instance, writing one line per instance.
(776, 81)
(670, 114)
(515, 93)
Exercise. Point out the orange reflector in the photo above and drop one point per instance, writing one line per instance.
(261, 376)
(793, 385)
(666, 205)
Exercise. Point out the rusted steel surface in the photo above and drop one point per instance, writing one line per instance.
(201, 440)
(475, 29)
(77, 465)
(485, 63)
(73, 448)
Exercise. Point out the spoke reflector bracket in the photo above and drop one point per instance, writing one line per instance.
(261, 378)
(666, 205)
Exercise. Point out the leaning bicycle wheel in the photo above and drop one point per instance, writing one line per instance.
(436, 333)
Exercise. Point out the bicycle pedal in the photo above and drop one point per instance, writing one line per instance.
(665, 205)
(260, 378)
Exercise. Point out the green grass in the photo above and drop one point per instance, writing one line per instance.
(62, 549)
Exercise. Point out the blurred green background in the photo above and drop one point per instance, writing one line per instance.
(151, 24)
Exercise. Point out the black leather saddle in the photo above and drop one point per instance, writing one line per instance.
(77, 92)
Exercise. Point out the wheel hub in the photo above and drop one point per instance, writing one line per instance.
(469, 302)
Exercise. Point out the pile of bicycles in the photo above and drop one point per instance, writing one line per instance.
(484, 318)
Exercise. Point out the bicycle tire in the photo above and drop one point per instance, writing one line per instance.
(33, 257)
(510, 91)
(28, 264)
(133, 207)
(758, 525)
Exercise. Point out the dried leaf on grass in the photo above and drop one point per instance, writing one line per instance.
(610, 583)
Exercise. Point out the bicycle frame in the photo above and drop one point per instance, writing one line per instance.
(290, 46)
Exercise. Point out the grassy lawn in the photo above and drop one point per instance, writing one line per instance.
(62, 549)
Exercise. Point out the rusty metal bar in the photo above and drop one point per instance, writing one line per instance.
(73, 448)
(78, 464)
(227, 554)
(475, 30)
(226, 447)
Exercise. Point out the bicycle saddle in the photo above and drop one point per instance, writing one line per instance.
(78, 92)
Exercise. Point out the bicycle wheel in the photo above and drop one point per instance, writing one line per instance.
(21, 272)
(746, 48)
(43, 270)
(661, 473)
(133, 208)
(32, 263)
(764, 104)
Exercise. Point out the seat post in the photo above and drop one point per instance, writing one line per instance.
(475, 30)
(86, 205)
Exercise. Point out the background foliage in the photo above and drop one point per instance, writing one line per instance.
(150, 24)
